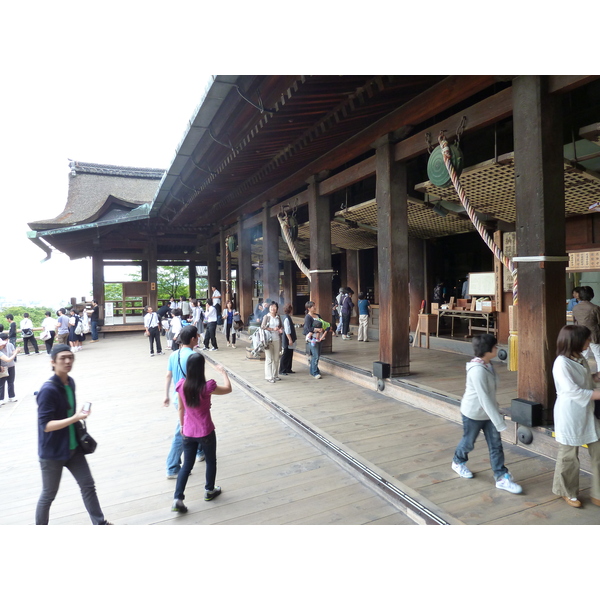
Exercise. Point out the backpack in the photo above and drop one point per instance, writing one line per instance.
(79, 328)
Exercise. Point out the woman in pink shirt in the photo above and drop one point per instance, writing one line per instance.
(197, 428)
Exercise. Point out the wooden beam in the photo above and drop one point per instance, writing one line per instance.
(438, 98)
(561, 84)
(480, 115)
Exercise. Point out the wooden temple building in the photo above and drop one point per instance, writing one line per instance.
(347, 157)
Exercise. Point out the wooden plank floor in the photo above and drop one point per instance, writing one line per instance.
(436, 369)
(413, 446)
(269, 473)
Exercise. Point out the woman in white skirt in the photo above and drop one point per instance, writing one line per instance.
(574, 420)
(272, 322)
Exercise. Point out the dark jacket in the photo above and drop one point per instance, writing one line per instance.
(52, 406)
(588, 314)
(347, 305)
(308, 324)
(284, 336)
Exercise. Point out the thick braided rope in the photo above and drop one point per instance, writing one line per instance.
(506, 261)
(286, 234)
(227, 271)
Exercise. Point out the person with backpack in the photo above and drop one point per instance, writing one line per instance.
(75, 331)
(28, 335)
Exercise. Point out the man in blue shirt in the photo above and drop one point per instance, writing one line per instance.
(363, 317)
(176, 371)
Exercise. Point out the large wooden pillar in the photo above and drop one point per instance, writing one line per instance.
(270, 231)
(392, 243)
(320, 255)
(152, 274)
(352, 280)
(540, 206)
(214, 275)
(244, 272)
(289, 282)
(98, 283)
(192, 278)
(223, 286)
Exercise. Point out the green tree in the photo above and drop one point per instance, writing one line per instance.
(113, 292)
(36, 314)
(172, 281)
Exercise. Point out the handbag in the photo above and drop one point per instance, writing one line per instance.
(45, 336)
(27, 332)
(3, 372)
(86, 442)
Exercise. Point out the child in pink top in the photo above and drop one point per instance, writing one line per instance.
(197, 428)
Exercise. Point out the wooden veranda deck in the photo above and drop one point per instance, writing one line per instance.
(268, 471)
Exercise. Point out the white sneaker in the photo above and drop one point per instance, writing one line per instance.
(506, 483)
(317, 377)
(13, 399)
(462, 470)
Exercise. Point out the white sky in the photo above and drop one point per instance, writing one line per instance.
(116, 82)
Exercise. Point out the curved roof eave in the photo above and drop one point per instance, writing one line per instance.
(214, 95)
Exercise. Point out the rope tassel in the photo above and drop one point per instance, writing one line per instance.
(507, 262)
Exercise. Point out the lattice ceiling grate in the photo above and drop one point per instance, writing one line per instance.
(490, 188)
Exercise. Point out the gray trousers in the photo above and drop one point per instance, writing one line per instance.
(51, 475)
(566, 473)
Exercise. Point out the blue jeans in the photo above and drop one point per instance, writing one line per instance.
(174, 458)
(315, 354)
(94, 326)
(471, 429)
(51, 475)
(190, 447)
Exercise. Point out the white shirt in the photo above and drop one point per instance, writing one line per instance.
(574, 421)
(216, 297)
(211, 314)
(150, 320)
(49, 324)
(26, 324)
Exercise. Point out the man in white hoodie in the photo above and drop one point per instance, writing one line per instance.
(480, 411)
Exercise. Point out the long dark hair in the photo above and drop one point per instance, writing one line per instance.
(195, 379)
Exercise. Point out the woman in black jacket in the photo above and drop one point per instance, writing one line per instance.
(288, 339)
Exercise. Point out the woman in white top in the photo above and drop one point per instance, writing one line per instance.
(574, 420)
(49, 324)
(176, 328)
(211, 327)
(28, 335)
(272, 322)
